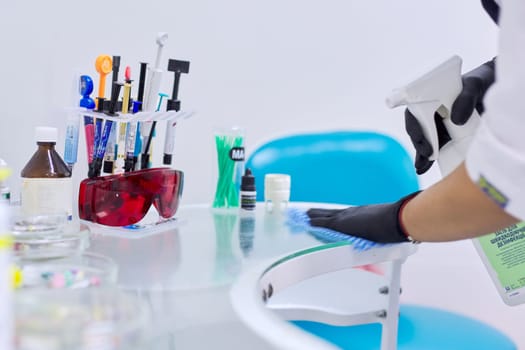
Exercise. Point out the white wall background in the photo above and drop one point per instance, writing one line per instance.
(273, 67)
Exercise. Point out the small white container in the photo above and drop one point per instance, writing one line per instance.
(276, 191)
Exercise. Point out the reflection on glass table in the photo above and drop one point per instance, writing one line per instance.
(94, 318)
(186, 271)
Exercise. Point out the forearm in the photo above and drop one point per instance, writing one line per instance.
(453, 209)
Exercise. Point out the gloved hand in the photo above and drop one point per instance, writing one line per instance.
(492, 8)
(376, 222)
(475, 85)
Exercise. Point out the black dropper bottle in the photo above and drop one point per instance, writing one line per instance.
(248, 196)
(248, 193)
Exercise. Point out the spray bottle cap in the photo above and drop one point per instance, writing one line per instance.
(248, 181)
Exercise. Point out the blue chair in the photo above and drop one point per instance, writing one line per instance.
(344, 167)
(355, 168)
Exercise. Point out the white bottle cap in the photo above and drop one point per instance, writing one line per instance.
(276, 182)
(46, 134)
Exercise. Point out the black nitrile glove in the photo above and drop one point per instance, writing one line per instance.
(376, 222)
(475, 85)
(492, 8)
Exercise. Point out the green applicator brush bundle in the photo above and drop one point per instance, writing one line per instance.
(230, 154)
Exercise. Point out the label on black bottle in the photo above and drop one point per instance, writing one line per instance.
(248, 200)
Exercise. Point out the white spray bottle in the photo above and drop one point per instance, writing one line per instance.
(434, 92)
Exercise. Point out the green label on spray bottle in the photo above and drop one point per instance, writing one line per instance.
(505, 251)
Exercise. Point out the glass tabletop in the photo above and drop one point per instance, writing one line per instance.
(204, 248)
(185, 270)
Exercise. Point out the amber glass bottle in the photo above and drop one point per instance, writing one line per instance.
(46, 179)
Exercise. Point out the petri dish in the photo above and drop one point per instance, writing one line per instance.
(47, 231)
(99, 318)
(63, 269)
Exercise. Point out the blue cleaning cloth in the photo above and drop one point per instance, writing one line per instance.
(298, 219)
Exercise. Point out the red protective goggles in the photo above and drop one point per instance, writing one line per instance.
(124, 199)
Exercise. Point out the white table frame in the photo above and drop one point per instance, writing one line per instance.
(253, 293)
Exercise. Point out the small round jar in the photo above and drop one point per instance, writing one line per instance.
(276, 191)
(37, 232)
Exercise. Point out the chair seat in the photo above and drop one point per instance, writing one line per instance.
(420, 328)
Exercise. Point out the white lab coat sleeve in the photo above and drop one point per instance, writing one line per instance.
(496, 158)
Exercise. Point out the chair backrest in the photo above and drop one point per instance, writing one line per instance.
(344, 167)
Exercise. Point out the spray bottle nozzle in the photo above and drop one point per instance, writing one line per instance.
(434, 93)
(397, 98)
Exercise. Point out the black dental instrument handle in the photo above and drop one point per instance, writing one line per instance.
(178, 67)
(173, 105)
(176, 81)
(145, 155)
(116, 66)
(142, 82)
(101, 101)
(114, 97)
